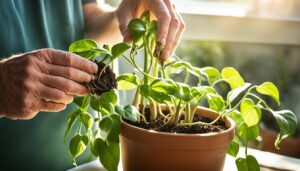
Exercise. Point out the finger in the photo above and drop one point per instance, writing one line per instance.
(178, 34)
(124, 18)
(69, 73)
(53, 94)
(48, 106)
(63, 58)
(64, 85)
(173, 29)
(163, 16)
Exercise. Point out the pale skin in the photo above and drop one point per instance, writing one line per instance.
(47, 79)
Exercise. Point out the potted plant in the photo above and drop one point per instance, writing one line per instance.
(164, 128)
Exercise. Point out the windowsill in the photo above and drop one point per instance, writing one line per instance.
(267, 161)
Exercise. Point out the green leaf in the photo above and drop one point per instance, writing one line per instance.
(232, 77)
(118, 49)
(215, 101)
(287, 123)
(82, 102)
(159, 97)
(128, 81)
(236, 92)
(110, 127)
(105, 103)
(179, 65)
(77, 146)
(250, 113)
(233, 149)
(212, 74)
(248, 164)
(184, 92)
(269, 89)
(83, 45)
(128, 112)
(236, 117)
(71, 120)
(248, 133)
(137, 26)
(87, 120)
(164, 86)
(108, 152)
(110, 96)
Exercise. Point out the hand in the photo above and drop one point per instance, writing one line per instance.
(170, 23)
(42, 80)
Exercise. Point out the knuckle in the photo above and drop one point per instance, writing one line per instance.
(69, 72)
(58, 95)
(66, 85)
(176, 22)
(68, 59)
(166, 17)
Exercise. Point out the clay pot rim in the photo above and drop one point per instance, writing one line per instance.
(183, 135)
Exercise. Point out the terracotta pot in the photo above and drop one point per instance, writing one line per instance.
(146, 150)
(288, 147)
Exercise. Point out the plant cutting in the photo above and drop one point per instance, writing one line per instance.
(164, 128)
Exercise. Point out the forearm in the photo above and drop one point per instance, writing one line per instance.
(101, 25)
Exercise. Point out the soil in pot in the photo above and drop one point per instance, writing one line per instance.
(160, 125)
(104, 81)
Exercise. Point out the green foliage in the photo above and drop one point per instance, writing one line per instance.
(98, 118)
(232, 77)
(247, 164)
(269, 89)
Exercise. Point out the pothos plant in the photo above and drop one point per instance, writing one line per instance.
(97, 119)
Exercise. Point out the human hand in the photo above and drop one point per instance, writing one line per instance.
(42, 80)
(169, 21)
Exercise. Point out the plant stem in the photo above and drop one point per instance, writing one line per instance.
(187, 112)
(79, 128)
(153, 111)
(136, 101)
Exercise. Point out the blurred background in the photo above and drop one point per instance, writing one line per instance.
(260, 38)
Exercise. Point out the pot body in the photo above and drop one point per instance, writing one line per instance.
(146, 150)
(288, 147)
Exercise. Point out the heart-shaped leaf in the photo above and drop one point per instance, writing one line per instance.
(269, 89)
(236, 92)
(232, 77)
(77, 146)
(108, 152)
(128, 81)
(87, 120)
(248, 164)
(71, 120)
(287, 122)
(83, 45)
(118, 49)
(233, 148)
(250, 113)
(110, 126)
(248, 133)
(212, 74)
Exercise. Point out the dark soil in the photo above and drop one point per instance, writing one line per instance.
(160, 126)
(104, 82)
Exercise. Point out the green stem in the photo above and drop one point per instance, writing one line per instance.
(261, 100)
(79, 128)
(186, 78)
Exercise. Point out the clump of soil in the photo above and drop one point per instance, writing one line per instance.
(159, 51)
(104, 80)
(160, 126)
